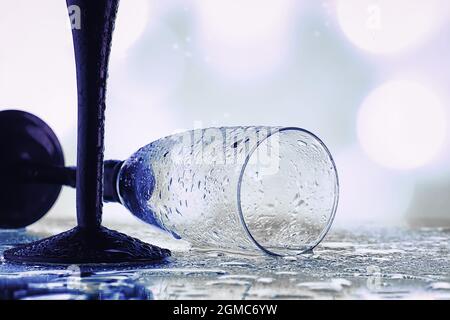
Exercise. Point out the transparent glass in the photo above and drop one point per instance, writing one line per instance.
(236, 189)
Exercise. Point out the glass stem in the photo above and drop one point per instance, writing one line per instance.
(67, 176)
(92, 37)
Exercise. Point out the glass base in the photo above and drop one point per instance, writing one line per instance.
(80, 246)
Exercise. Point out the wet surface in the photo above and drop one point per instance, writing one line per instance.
(349, 264)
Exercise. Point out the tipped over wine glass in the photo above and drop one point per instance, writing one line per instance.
(242, 189)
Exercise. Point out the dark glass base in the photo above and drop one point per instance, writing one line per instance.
(80, 246)
(26, 143)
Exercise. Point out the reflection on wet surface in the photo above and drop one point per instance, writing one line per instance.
(349, 264)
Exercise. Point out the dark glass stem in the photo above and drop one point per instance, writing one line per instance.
(89, 242)
(67, 176)
(92, 42)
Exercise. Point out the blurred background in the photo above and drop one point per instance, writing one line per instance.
(370, 77)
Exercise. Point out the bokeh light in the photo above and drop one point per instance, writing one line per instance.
(37, 68)
(389, 26)
(244, 39)
(178, 63)
(402, 125)
(132, 19)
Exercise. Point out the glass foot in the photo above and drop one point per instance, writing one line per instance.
(80, 246)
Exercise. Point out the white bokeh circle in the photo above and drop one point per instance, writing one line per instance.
(37, 68)
(389, 26)
(402, 125)
(131, 22)
(245, 39)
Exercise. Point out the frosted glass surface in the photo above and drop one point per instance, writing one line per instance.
(236, 188)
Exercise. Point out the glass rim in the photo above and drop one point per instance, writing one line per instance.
(335, 202)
